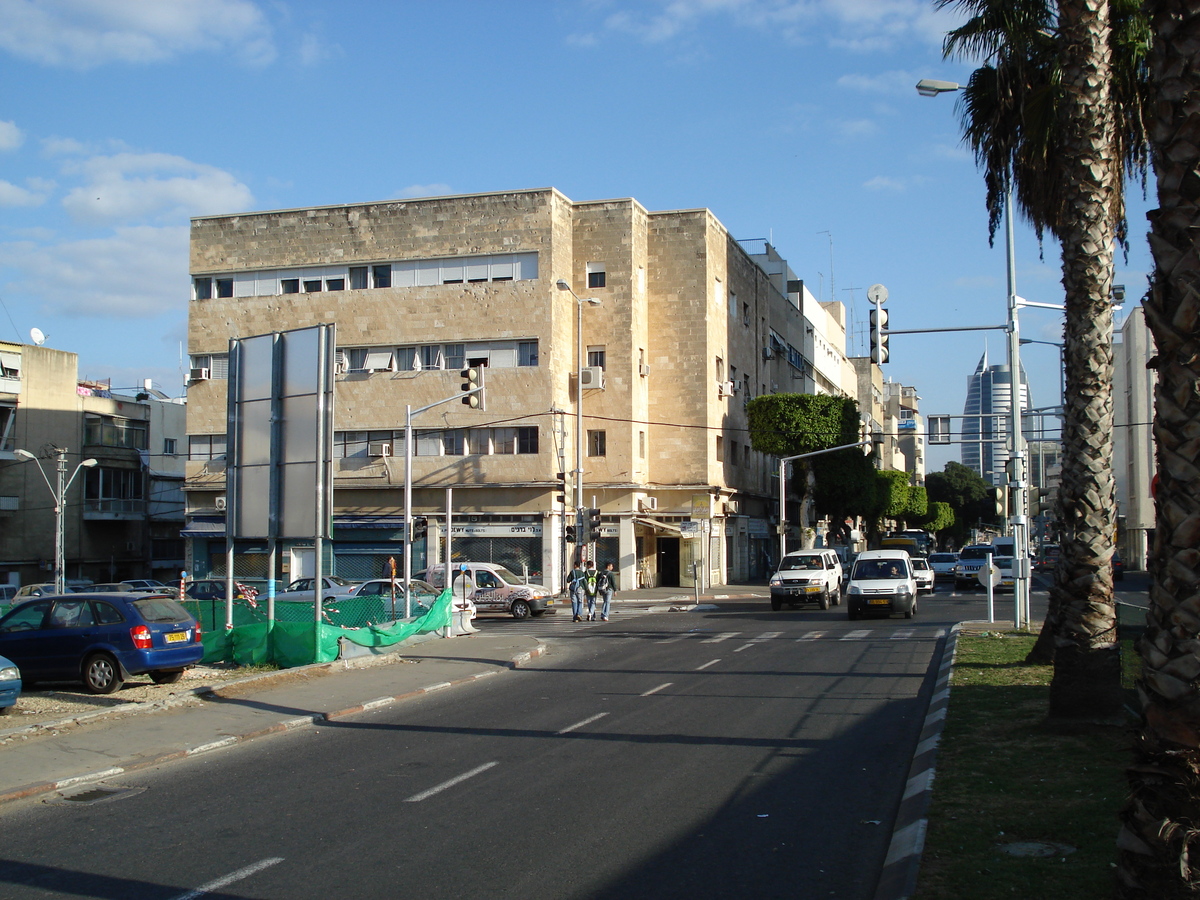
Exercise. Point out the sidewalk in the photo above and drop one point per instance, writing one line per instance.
(48, 756)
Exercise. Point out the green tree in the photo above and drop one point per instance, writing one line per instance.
(1158, 843)
(966, 493)
(1055, 123)
(939, 518)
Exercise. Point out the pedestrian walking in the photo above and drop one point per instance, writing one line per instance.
(576, 588)
(591, 589)
(607, 583)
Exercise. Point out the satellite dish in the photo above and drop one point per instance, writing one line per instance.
(37, 336)
(877, 293)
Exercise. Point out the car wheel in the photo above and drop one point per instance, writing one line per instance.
(911, 611)
(520, 609)
(823, 601)
(101, 674)
(776, 604)
(837, 597)
(166, 677)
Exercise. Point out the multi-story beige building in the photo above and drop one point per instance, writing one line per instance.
(121, 517)
(686, 328)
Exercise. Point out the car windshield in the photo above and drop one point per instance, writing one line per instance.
(334, 579)
(161, 609)
(920, 564)
(791, 563)
(867, 569)
(974, 552)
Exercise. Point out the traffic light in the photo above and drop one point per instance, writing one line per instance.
(420, 528)
(879, 335)
(571, 535)
(593, 524)
(1000, 496)
(473, 382)
(562, 482)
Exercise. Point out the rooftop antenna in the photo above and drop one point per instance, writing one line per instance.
(37, 336)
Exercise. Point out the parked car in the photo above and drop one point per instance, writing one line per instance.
(423, 593)
(922, 574)
(943, 565)
(303, 589)
(492, 588)
(28, 591)
(10, 686)
(214, 589)
(101, 639)
(7, 592)
(807, 576)
(969, 561)
(109, 587)
(881, 582)
(148, 584)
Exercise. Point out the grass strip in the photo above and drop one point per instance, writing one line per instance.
(1005, 777)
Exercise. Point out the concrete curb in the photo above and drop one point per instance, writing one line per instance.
(898, 879)
(285, 725)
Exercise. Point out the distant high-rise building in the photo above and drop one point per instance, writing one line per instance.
(987, 412)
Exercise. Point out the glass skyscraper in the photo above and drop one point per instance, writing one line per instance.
(986, 419)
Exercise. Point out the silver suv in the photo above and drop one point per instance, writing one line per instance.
(807, 576)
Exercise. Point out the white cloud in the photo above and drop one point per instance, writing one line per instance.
(883, 183)
(11, 137)
(133, 272)
(424, 190)
(83, 34)
(130, 187)
(12, 195)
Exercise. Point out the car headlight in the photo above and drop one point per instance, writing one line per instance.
(9, 673)
(904, 589)
(854, 589)
(775, 581)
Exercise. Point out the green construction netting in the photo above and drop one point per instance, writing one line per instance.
(295, 640)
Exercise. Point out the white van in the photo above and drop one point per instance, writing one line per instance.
(881, 582)
(492, 588)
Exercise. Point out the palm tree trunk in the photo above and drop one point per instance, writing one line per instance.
(1160, 841)
(1086, 682)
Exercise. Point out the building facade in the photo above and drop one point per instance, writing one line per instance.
(121, 517)
(986, 419)
(687, 327)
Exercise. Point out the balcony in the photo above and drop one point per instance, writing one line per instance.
(114, 510)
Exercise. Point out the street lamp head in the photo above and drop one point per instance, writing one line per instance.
(930, 87)
(24, 454)
(591, 301)
(88, 463)
(563, 286)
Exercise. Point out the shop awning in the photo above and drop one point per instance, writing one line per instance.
(392, 523)
(665, 527)
(205, 526)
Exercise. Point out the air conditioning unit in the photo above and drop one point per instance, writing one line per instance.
(219, 503)
(731, 507)
(735, 386)
(648, 504)
(725, 388)
(592, 377)
(379, 448)
(198, 375)
(768, 352)
(643, 370)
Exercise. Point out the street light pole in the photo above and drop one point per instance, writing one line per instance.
(783, 461)
(580, 360)
(59, 494)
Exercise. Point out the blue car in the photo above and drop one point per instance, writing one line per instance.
(10, 686)
(101, 639)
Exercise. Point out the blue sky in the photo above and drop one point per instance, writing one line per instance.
(796, 121)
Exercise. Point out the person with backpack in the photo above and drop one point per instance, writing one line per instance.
(575, 585)
(591, 589)
(607, 583)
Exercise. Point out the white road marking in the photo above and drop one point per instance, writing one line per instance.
(671, 640)
(812, 636)
(657, 689)
(743, 647)
(856, 635)
(587, 721)
(424, 795)
(903, 634)
(711, 662)
(724, 636)
(229, 879)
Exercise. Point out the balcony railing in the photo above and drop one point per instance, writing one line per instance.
(114, 509)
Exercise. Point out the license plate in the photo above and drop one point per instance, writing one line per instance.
(177, 637)
(879, 601)
(812, 589)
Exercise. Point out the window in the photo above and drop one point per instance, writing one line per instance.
(406, 359)
(381, 276)
(102, 483)
(202, 288)
(746, 314)
(290, 286)
(431, 356)
(428, 443)
(224, 287)
(169, 445)
(351, 444)
(596, 276)
(596, 356)
(335, 284)
(202, 447)
(720, 449)
(597, 443)
(527, 439)
(312, 286)
(733, 452)
(109, 431)
(453, 442)
(504, 440)
(527, 353)
(453, 356)
(479, 441)
(358, 278)
(733, 304)
(720, 369)
(641, 445)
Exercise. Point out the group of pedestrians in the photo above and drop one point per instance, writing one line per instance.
(589, 585)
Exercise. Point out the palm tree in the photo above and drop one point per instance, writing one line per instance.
(1160, 820)
(1056, 124)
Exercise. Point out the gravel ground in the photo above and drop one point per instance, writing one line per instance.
(47, 702)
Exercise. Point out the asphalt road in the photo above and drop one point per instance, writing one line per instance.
(727, 752)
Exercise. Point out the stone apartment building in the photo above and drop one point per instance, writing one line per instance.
(688, 326)
(122, 516)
